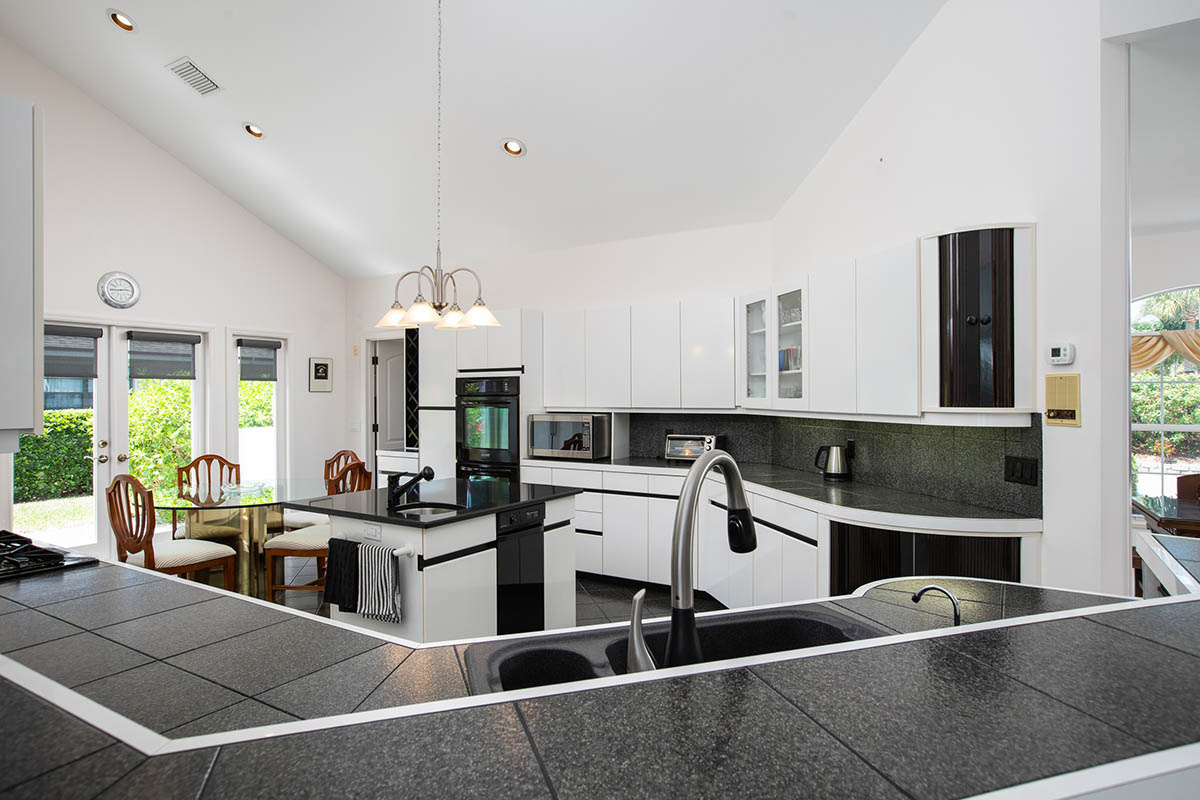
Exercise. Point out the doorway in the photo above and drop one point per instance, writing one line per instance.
(116, 400)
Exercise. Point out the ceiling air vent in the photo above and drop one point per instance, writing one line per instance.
(193, 75)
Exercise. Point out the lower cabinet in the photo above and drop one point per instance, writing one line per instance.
(558, 551)
(589, 552)
(798, 566)
(626, 520)
(662, 526)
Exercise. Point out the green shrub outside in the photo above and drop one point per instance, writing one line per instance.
(56, 463)
(160, 430)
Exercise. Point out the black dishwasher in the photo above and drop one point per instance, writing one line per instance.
(520, 570)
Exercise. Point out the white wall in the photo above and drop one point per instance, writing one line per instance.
(993, 115)
(1163, 261)
(113, 200)
(702, 263)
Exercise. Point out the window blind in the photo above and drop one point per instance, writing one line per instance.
(256, 358)
(162, 355)
(70, 351)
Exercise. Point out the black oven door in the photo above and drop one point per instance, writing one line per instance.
(487, 429)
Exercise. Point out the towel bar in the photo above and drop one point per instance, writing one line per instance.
(407, 550)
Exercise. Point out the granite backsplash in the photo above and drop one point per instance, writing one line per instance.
(955, 463)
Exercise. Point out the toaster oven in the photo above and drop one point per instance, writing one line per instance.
(683, 447)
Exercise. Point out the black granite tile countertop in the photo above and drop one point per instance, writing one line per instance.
(474, 497)
(847, 494)
(937, 718)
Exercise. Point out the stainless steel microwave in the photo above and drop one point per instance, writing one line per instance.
(586, 437)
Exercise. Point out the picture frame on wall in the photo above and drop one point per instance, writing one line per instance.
(320, 374)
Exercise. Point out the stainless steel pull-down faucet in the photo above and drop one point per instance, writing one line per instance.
(683, 642)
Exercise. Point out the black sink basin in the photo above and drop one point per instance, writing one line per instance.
(427, 506)
(736, 636)
(564, 658)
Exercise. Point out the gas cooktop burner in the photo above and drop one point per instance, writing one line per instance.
(20, 556)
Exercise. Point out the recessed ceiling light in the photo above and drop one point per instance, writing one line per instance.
(254, 130)
(121, 20)
(514, 147)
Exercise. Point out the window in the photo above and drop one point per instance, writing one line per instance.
(258, 437)
(1165, 399)
(163, 405)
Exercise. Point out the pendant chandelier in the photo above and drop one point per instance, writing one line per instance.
(441, 283)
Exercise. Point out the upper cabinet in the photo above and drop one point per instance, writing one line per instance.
(833, 380)
(21, 265)
(774, 349)
(437, 362)
(887, 332)
(563, 359)
(754, 377)
(607, 357)
(707, 353)
(655, 355)
(977, 325)
(495, 348)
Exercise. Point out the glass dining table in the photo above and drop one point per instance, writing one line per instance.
(249, 513)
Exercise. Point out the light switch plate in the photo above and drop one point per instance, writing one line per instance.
(356, 427)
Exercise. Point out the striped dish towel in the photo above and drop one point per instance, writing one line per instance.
(378, 583)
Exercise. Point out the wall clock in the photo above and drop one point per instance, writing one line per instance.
(118, 289)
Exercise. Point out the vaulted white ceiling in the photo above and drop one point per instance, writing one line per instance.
(639, 117)
(1164, 160)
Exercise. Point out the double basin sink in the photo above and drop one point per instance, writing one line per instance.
(581, 655)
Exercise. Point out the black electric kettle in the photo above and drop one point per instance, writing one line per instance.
(835, 464)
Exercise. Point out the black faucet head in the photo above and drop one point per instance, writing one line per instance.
(427, 473)
(741, 530)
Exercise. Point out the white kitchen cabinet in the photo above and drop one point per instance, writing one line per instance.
(888, 329)
(541, 475)
(831, 333)
(661, 527)
(626, 520)
(788, 361)
(437, 441)
(741, 579)
(564, 359)
(768, 568)
(655, 355)
(21, 257)
(560, 564)
(755, 372)
(713, 546)
(472, 349)
(607, 358)
(504, 342)
(589, 553)
(798, 561)
(707, 353)
(581, 479)
(438, 357)
(460, 598)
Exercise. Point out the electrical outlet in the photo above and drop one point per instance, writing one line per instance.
(372, 532)
(1021, 470)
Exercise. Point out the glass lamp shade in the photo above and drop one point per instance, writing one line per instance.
(480, 316)
(420, 312)
(394, 318)
(453, 318)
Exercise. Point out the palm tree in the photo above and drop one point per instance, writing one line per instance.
(1176, 310)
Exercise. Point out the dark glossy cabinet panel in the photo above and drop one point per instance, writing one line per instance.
(975, 275)
(861, 555)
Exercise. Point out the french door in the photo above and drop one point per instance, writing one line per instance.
(144, 408)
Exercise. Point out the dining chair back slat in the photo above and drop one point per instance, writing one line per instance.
(131, 514)
(338, 462)
(354, 477)
(203, 478)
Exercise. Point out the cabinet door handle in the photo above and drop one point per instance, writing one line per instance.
(971, 319)
(985, 320)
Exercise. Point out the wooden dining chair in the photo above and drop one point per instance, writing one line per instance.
(294, 518)
(313, 541)
(200, 481)
(131, 514)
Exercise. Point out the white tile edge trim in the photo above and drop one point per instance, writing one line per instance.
(119, 727)
(1103, 776)
(1154, 554)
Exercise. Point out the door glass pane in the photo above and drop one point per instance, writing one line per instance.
(1146, 462)
(1181, 400)
(52, 473)
(160, 430)
(791, 366)
(756, 349)
(1182, 458)
(257, 438)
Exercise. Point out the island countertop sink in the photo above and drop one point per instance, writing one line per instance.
(580, 655)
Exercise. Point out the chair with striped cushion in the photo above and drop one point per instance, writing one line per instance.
(201, 482)
(294, 518)
(131, 513)
(313, 541)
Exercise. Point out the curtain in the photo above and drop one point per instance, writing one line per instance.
(1148, 351)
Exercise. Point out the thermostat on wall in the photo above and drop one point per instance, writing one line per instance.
(1061, 354)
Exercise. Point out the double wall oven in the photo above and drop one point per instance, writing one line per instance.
(487, 425)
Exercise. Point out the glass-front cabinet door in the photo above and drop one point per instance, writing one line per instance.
(755, 372)
(790, 363)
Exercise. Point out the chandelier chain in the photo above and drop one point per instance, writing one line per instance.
(439, 127)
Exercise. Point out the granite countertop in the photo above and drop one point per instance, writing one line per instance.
(935, 718)
(475, 496)
(1184, 550)
(848, 494)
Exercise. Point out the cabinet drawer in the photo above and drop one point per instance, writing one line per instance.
(665, 484)
(589, 553)
(625, 482)
(398, 464)
(537, 475)
(589, 521)
(582, 478)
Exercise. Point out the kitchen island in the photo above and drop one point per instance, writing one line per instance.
(116, 679)
(477, 556)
